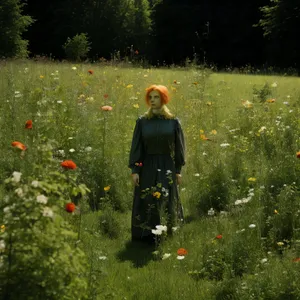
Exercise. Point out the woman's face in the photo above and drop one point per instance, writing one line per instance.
(155, 99)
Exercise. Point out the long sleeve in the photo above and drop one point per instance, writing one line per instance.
(137, 149)
(179, 148)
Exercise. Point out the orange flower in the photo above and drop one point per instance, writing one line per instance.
(91, 72)
(204, 138)
(106, 108)
(19, 145)
(70, 207)
(270, 100)
(298, 154)
(28, 124)
(68, 164)
(182, 252)
(219, 236)
(105, 96)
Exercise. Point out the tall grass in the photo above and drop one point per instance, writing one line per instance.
(242, 138)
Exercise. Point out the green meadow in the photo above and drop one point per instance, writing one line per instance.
(240, 184)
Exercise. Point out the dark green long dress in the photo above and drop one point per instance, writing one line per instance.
(157, 154)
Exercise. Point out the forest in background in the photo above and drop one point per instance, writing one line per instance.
(260, 33)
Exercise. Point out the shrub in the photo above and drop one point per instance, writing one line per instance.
(78, 47)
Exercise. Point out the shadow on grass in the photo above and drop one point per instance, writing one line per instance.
(139, 253)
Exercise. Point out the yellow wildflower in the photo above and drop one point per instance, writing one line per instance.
(251, 179)
(208, 103)
(280, 244)
(270, 100)
(136, 106)
(42, 76)
(201, 131)
(275, 211)
(129, 86)
(214, 132)
(157, 195)
(2, 228)
(107, 188)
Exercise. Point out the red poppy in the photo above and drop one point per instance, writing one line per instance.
(106, 108)
(70, 207)
(68, 164)
(19, 145)
(91, 72)
(182, 252)
(105, 96)
(219, 236)
(298, 154)
(28, 124)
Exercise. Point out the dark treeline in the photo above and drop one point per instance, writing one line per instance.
(224, 33)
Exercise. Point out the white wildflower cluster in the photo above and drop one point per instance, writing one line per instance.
(246, 199)
(18, 94)
(165, 192)
(168, 172)
(42, 199)
(47, 212)
(35, 183)
(16, 176)
(159, 229)
(166, 255)
(224, 145)
(211, 212)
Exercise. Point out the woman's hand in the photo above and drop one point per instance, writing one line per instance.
(136, 179)
(178, 179)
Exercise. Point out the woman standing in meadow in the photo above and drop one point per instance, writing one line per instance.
(156, 157)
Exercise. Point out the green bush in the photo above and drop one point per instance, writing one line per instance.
(77, 48)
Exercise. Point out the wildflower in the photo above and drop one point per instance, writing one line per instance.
(182, 252)
(156, 232)
(74, 68)
(204, 138)
(18, 94)
(247, 104)
(19, 192)
(91, 72)
(19, 145)
(16, 176)
(105, 96)
(298, 154)
(168, 172)
(274, 84)
(157, 195)
(2, 228)
(285, 103)
(296, 259)
(270, 100)
(35, 183)
(275, 211)
(262, 129)
(180, 257)
(174, 228)
(196, 174)
(211, 212)
(61, 152)
(161, 227)
(219, 237)
(158, 170)
(106, 108)
(224, 145)
(251, 179)
(165, 192)
(41, 199)
(88, 149)
(59, 101)
(136, 106)
(70, 207)
(166, 255)
(28, 124)
(129, 86)
(214, 132)
(68, 164)
(252, 226)
(208, 103)
(103, 257)
(139, 164)
(264, 260)
(280, 244)
(47, 212)
(107, 188)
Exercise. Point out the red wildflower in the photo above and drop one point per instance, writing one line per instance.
(91, 72)
(19, 145)
(28, 124)
(105, 96)
(298, 154)
(219, 236)
(68, 164)
(139, 164)
(106, 108)
(182, 252)
(70, 207)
